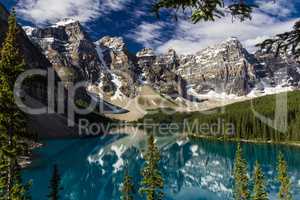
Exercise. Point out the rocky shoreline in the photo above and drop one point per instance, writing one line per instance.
(221, 139)
(25, 161)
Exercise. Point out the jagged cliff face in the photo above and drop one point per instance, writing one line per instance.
(115, 53)
(120, 65)
(281, 70)
(69, 49)
(159, 72)
(226, 67)
(110, 67)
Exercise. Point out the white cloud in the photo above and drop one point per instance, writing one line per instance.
(270, 19)
(50, 11)
(281, 8)
(148, 34)
(190, 38)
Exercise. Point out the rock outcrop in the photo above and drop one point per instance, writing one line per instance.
(120, 64)
(69, 49)
(159, 72)
(226, 67)
(281, 70)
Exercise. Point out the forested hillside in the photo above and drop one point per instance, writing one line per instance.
(245, 117)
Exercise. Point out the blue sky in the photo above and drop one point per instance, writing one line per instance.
(132, 20)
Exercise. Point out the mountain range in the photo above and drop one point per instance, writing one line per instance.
(225, 71)
(226, 67)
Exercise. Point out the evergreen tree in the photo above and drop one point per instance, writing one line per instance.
(152, 183)
(12, 120)
(128, 188)
(285, 183)
(207, 10)
(259, 189)
(241, 191)
(19, 190)
(55, 187)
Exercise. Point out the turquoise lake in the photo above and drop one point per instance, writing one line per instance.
(93, 168)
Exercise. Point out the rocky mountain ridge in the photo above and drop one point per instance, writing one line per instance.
(69, 49)
(108, 65)
(226, 67)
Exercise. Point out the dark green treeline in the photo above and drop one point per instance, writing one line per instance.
(263, 118)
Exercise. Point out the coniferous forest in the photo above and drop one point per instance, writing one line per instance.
(244, 117)
(14, 133)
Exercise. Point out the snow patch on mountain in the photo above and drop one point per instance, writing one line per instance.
(113, 43)
(49, 39)
(118, 94)
(64, 22)
(29, 30)
(212, 95)
(255, 92)
(270, 90)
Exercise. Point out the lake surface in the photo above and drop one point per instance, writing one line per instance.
(92, 169)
